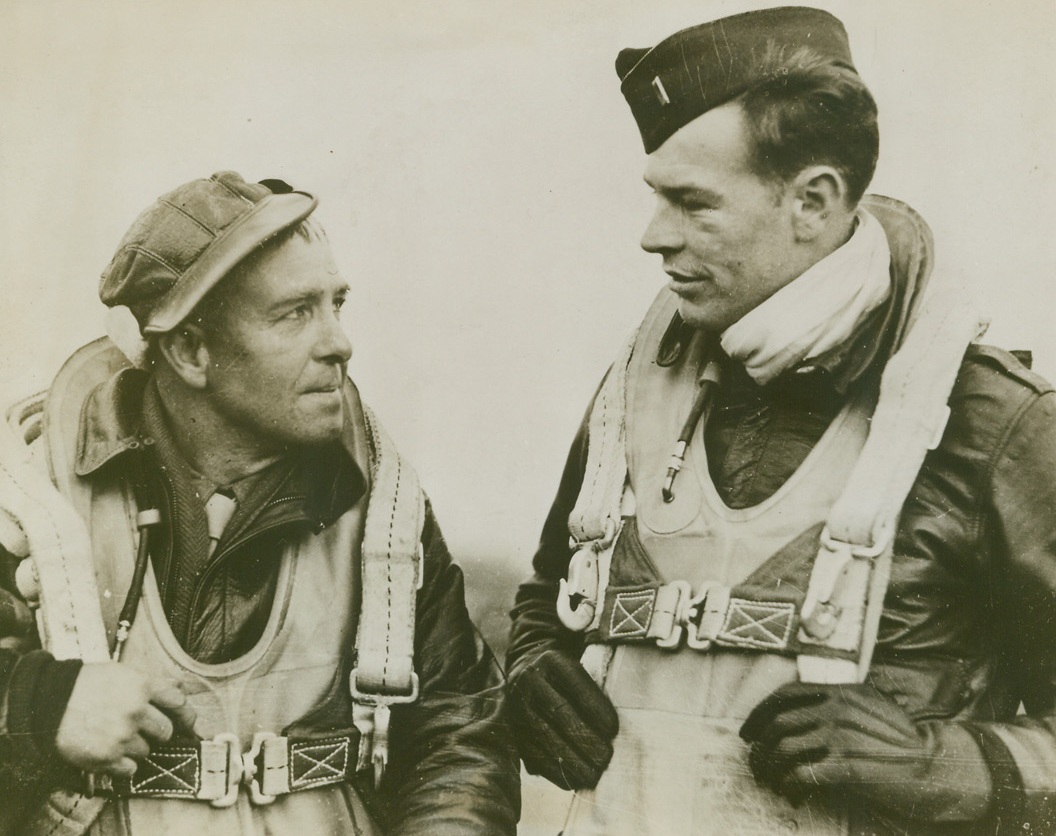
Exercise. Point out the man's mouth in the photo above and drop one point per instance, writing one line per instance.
(331, 384)
(683, 284)
(685, 278)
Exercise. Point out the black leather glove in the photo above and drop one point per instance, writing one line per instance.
(563, 722)
(851, 738)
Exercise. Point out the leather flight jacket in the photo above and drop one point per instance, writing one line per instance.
(450, 767)
(970, 612)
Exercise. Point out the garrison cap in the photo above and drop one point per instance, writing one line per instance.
(705, 66)
(183, 245)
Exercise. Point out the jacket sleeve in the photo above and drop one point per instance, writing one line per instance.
(536, 627)
(1021, 751)
(34, 690)
(453, 769)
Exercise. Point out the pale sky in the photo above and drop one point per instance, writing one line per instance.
(480, 179)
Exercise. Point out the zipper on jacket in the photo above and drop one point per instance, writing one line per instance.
(220, 559)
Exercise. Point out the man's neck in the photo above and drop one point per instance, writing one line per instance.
(815, 314)
(837, 234)
(213, 447)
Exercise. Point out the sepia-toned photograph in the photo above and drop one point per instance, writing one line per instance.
(540, 419)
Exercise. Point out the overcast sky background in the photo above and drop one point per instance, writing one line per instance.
(480, 178)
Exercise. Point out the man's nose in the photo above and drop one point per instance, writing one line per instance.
(664, 233)
(334, 344)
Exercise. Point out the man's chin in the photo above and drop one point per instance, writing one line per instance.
(313, 430)
(704, 317)
(328, 432)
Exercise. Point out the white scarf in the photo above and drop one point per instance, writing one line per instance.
(817, 311)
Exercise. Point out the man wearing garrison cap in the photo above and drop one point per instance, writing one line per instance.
(250, 621)
(800, 573)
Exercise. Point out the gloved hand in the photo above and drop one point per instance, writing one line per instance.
(563, 722)
(851, 738)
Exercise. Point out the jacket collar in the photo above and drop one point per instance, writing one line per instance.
(112, 428)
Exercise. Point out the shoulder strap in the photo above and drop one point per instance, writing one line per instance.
(41, 526)
(22, 428)
(849, 579)
(595, 520)
(391, 569)
(57, 576)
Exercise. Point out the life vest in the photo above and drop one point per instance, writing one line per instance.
(695, 611)
(264, 762)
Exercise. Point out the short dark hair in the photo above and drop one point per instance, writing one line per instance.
(809, 111)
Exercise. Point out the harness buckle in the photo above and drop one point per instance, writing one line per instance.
(821, 614)
(880, 541)
(234, 772)
(678, 613)
(577, 597)
(707, 614)
(250, 768)
(371, 714)
(671, 614)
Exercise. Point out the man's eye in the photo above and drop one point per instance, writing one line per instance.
(300, 312)
(699, 202)
(339, 303)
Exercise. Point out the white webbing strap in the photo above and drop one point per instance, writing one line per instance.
(598, 504)
(849, 578)
(391, 569)
(42, 527)
(594, 522)
(39, 525)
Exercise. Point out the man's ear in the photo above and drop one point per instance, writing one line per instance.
(819, 200)
(185, 351)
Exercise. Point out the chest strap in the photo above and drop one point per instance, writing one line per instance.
(673, 615)
(214, 770)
